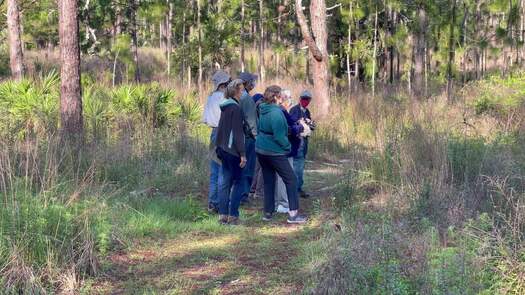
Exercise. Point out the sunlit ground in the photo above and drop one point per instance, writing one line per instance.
(253, 258)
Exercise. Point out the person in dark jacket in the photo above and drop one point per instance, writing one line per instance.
(231, 150)
(247, 105)
(300, 112)
(272, 147)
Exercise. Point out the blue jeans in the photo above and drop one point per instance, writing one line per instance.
(298, 165)
(215, 175)
(230, 192)
(249, 169)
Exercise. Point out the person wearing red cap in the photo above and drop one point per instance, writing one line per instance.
(300, 112)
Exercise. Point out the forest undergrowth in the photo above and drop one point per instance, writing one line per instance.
(429, 199)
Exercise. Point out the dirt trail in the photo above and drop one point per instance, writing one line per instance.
(253, 258)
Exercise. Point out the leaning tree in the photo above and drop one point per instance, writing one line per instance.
(316, 38)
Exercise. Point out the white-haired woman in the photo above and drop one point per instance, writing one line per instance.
(294, 130)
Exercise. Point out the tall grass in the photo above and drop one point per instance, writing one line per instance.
(433, 199)
(143, 161)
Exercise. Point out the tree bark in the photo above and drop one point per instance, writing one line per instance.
(169, 35)
(70, 90)
(243, 23)
(199, 35)
(419, 52)
(392, 31)
(451, 53)
(16, 56)
(374, 58)
(261, 42)
(134, 39)
(349, 49)
(317, 50)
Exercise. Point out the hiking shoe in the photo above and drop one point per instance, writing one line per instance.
(297, 219)
(267, 217)
(233, 220)
(304, 195)
(282, 209)
(213, 209)
(223, 219)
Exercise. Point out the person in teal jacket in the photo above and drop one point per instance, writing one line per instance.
(272, 147)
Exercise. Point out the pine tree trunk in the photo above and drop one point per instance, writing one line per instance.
(169, 35)
(199, 33)
(16, 57)
(391, 48)
(134, 39)
(419, 53)
(261, 42)
(317, 45)
(349, 49)
(183, 64)
(451, 53)
(243, 23)
(374, 58)
(70, 90)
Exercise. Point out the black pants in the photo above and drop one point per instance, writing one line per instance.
(271, 165)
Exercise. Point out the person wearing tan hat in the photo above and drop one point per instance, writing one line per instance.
(210, 117)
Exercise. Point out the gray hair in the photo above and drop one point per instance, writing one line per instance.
(286, 93)
(233, 87)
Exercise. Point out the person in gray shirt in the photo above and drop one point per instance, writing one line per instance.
(250, 131)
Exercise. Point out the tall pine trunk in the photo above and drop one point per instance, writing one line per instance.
(419, 53)
(169, 35)
(243, 23)
(374, 57)
(451, 53)
(318, 53)
(70, 89)
(134, 39)
(199, 36)
(16, 57)
(261, 42)
(349, 49)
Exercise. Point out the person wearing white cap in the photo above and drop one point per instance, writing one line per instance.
(211, 116)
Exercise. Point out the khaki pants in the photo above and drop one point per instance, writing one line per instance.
(281, 197)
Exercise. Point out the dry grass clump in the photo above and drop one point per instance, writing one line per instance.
(434, 199)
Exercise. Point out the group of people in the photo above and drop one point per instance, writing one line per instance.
(258, 147)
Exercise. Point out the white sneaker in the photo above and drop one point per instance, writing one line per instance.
(282, 209)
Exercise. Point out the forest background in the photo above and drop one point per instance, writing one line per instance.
(419, 156)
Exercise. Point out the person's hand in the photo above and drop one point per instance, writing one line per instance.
(243, 162)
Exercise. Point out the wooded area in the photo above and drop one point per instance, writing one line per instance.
(416, 164)
(418, 45)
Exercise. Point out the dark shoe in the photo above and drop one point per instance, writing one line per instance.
(267, 217)
(223, 219)
(213, 209)
(304, 195)
(232, 220)
(245, 201)
(297, 219)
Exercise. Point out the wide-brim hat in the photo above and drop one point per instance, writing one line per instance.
(219, 78)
